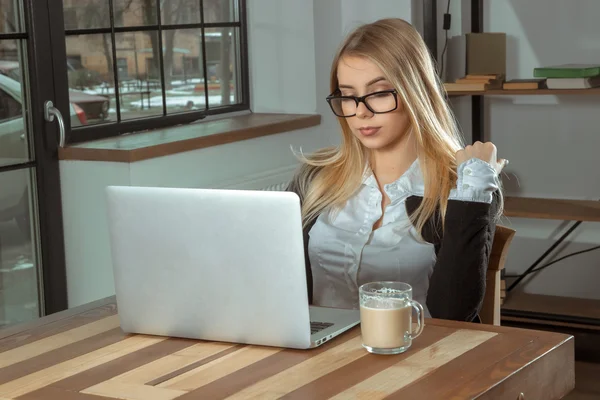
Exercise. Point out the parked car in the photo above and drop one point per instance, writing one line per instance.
(94, 107)
(14, 194)
(81, 77)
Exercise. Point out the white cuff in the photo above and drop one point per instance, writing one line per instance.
(477, 181)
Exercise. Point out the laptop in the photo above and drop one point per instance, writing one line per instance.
(218, 265)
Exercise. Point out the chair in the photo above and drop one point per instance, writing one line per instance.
(490, 309)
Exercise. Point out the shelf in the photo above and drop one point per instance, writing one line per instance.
(557, 209)
(552, 310)
(535, 92)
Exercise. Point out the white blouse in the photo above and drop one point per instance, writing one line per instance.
(345, 252)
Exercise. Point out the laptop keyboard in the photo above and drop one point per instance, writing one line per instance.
(318, 326)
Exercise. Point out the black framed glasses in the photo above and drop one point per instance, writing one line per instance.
(381, 102)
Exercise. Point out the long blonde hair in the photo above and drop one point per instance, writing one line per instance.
(329, 177)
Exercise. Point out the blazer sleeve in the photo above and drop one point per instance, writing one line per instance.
(458, 282)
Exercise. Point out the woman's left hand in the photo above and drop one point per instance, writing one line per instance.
(484, 151)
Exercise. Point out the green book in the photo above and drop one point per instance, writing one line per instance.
(567, 71)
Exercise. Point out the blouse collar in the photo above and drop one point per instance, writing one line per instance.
(411, 182)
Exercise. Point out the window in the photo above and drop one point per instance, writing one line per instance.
(142, 64)
(70, 15)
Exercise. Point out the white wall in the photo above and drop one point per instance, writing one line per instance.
(291, 45)
(281, 48)
(89, 274)
(552, 142)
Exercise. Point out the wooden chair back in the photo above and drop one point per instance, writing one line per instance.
(490, 310)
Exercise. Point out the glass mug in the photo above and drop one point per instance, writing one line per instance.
(386, 317)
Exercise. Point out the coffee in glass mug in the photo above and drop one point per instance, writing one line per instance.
(386, 310)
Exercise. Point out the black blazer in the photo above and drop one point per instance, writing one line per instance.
(457, 284)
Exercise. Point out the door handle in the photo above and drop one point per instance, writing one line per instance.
(50, 112)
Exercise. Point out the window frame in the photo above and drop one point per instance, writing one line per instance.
(106, 130)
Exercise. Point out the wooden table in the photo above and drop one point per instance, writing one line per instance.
(83, 354)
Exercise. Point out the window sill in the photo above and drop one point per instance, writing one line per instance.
(163, 142)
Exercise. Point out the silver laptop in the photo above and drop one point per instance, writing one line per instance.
(219, 265)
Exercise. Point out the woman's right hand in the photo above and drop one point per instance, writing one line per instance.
(484, 151)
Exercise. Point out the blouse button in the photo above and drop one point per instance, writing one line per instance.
(468, 171)
(466, 186)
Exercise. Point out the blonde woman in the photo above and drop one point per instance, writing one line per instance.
(401, 198)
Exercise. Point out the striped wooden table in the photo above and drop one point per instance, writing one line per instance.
(83, 354)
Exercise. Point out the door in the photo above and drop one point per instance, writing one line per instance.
(32, 259)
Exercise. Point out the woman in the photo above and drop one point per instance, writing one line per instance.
(401, 198)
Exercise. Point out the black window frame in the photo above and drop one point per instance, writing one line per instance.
(117, 128)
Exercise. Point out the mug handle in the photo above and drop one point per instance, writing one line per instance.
(420, 319)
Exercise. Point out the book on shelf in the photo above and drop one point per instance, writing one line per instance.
(465, 87)
(573, 83)
(495, 82)
(475, 83)
(525, 84)
(484, 76)
(567, 71)
(471, 80)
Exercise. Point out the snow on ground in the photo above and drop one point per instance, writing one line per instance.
(186, 82)
(181, 101)
(136, 86)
